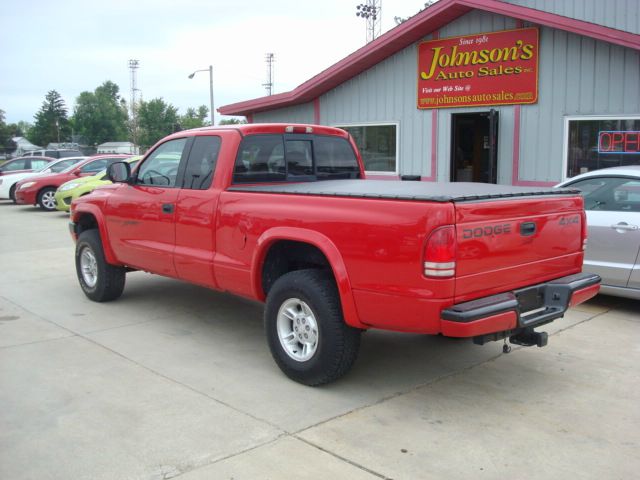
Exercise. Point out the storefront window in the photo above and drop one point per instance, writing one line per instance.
(377, 145)
(601, 143)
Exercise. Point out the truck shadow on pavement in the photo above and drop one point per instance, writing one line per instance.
(186, 312)
(223, 337)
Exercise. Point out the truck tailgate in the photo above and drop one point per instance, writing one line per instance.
(509, 243)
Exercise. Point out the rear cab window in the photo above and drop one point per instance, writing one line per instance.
(294, 158)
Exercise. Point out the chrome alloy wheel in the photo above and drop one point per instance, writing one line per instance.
(89, 267)
(49, 200)
(297, 329)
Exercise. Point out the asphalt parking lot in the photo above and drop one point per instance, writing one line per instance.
(175, 381)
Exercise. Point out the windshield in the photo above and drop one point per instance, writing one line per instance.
(70, 167)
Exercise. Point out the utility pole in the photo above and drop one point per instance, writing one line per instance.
(270, 59)
(133, 66)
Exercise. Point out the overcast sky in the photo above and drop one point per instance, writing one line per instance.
(73, 46)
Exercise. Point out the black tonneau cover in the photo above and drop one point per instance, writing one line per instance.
(399, 190)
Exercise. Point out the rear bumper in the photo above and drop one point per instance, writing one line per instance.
(524, 308)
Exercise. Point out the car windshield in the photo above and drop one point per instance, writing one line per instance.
(57, 167)
(65, 164)
(69, 168)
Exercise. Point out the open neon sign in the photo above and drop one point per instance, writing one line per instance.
(619, 142)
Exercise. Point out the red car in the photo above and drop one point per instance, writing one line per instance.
(24, 164)
(40, 190)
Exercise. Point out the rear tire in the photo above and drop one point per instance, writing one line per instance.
(12, 193)
(305, 328)
(100, 281)
(47, 199)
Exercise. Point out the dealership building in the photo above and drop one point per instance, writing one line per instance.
(522, 92)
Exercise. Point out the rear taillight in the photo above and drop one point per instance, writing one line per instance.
(440, 253)
(584, 230)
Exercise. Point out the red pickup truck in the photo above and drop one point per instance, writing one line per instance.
(284, 214)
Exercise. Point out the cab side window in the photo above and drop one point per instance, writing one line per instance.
(160, 168)
(202, 163)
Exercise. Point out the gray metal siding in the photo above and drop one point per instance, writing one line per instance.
(297, 114)
(619, 14)
(577, 76)
(477, 21)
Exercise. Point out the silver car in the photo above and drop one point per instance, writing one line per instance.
(612, 202)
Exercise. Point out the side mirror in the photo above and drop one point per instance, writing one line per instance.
(119, 172)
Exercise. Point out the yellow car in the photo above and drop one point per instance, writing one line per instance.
(84, 185)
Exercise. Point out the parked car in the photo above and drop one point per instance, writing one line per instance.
(24, 164)
(8, 182)
(612, 202)
(55, 153)
(78, 187)
(40, 190)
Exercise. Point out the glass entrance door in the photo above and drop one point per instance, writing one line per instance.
(474, 147)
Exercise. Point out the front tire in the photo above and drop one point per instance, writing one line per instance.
(47, 199)
(12, 193)
(305, 328)
(100, 281)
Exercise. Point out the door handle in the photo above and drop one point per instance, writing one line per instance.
(624, 226)
(167, 208)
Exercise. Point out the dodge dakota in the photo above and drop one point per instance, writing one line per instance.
(285, 215)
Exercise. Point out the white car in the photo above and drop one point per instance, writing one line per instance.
(612, 202)
(8, 182)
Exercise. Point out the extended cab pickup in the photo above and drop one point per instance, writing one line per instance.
(284, 215)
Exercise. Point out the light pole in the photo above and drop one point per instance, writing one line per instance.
(210, 70)
(371, 12)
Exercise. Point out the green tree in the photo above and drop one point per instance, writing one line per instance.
(51, 122)
(8, 131)
(22, 128)
(194, 119)
(101, 116)
(5, 135)
(156, 119)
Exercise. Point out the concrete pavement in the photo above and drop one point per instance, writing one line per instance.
(175, 381)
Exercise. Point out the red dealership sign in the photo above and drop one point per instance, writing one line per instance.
(499, 68)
